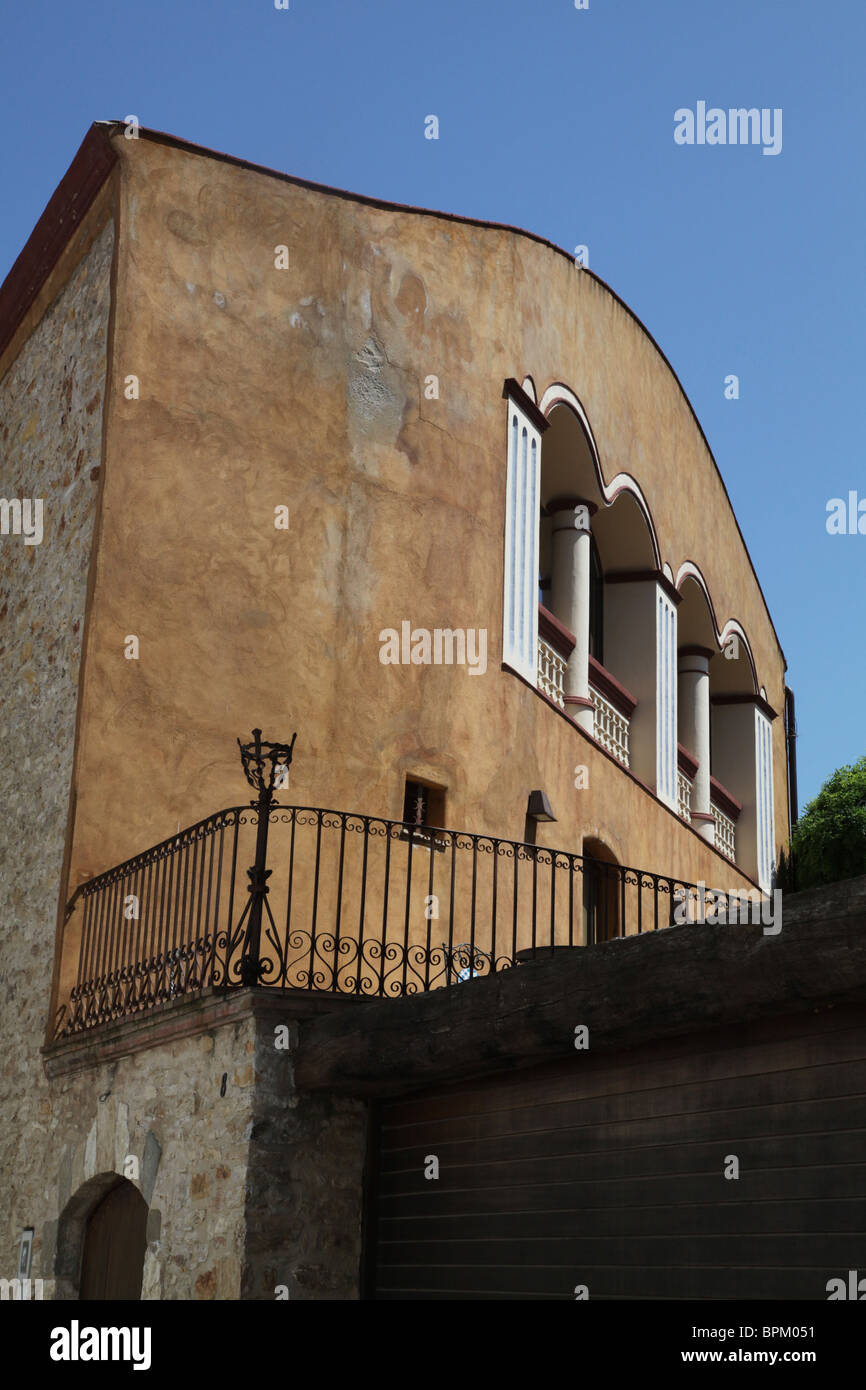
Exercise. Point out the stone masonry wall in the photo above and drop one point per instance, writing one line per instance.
(305, 1181)
(51, 403)
(182, 1113)
(254, 1191)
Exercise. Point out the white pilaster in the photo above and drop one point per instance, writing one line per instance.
(640, 647)
(522, 504)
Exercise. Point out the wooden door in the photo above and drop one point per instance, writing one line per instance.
(114, 1245)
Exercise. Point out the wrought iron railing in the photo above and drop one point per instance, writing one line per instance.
(348, 903)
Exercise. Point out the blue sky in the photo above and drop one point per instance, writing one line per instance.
(560, 121)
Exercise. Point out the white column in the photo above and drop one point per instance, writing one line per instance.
(694, 725)
(570, 597)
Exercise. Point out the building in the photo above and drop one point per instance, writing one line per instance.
(421, 490)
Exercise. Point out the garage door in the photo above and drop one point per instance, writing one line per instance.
(724, 1166)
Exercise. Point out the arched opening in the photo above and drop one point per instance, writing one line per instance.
(101, 1241)
(623, 533)
(567, 463)
(623, 681)
(115, 1238)
(580, 622)
(711, 676)
(732, 671)
(567, 470)
(602, 893)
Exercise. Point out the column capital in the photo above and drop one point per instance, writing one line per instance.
(694, 661)
(693, 650)
(567, 503)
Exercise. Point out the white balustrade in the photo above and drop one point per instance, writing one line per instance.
(610, 727)
(551, 673)
(726, 833)
(684, 795)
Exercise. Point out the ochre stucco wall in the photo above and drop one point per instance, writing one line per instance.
(304, 387)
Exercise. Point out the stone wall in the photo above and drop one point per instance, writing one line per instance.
(176, 1121)
(305, 1183)
(51, 406)
(254, 1191)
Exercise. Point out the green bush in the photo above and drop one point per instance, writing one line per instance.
(829, 840)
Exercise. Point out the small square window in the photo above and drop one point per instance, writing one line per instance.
(423, 808)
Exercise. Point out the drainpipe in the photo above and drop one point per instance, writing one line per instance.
(791, 738)
(793, 808)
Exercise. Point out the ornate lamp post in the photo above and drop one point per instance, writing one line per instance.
(262, 762)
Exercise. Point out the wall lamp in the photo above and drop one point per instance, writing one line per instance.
(539, 807)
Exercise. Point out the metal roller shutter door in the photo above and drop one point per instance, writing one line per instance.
(608, 1171)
